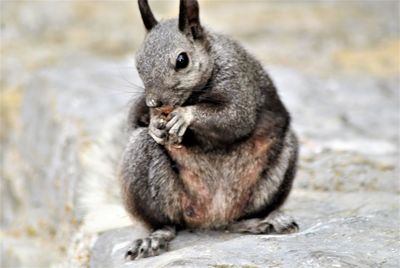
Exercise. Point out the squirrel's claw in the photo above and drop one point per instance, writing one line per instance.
(159, 135)
(146, 247)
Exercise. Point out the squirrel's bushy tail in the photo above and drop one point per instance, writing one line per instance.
(99, 199)
(99, 194)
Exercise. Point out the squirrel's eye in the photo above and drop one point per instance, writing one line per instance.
(182, 61)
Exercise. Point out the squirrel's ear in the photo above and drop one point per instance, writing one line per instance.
(189, 21)
(147, 16)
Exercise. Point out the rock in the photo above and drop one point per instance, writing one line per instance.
(66, 118)
(63, 119)
(346, 145)
(59, 122)
(336, 230)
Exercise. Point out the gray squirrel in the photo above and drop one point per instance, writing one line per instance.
(210, 144)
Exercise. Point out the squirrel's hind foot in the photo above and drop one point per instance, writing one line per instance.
(276, 222)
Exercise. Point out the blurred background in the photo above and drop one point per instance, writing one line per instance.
(67, 76)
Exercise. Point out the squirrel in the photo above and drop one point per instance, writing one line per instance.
(211, 146)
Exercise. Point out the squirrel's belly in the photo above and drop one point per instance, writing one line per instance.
(218, 186)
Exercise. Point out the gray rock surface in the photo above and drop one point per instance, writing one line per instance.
(337, 230)
(65, 111)
(346, 192)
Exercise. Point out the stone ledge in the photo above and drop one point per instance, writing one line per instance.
(337, 230)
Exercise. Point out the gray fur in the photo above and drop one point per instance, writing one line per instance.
(223, 156)
(267, 189)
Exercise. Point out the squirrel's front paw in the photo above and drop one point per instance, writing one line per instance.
(181, 118)
(157, 129)
(146, 247)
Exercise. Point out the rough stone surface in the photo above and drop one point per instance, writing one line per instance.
(337, 230)
(67, 77)
(64, 111)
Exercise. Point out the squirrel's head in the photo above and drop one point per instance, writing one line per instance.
(173, 61)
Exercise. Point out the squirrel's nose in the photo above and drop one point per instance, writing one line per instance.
(153, 102)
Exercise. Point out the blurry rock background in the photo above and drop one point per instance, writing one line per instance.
(67, 76)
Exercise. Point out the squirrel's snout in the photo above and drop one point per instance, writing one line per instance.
(152, 102)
